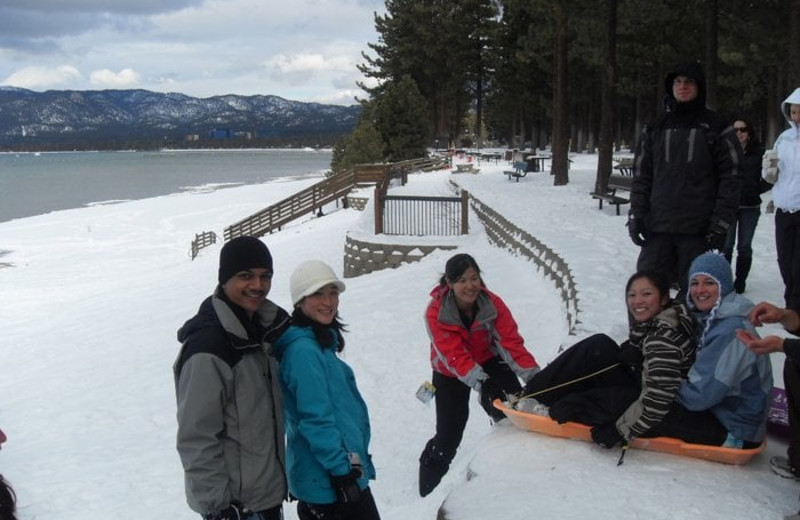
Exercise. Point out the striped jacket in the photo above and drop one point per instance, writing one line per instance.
(668, 344)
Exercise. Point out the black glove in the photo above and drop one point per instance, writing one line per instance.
(716, 237)
(346, 487)
(607, 436)
(637, 230)
(234, 511)
(631, 356)
(489, 392)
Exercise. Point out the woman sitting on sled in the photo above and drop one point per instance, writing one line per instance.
(653, 385)
(623, 391)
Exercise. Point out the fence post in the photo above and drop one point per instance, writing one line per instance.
(378, 203)
(464, 212)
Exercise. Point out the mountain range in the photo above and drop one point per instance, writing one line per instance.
(123, 119)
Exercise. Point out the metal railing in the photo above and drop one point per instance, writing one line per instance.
(421, 216)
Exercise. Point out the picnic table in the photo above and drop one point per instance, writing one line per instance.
(536, 163)
(491, 156)
(466, 168)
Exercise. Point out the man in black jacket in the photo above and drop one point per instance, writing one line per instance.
(685, 189)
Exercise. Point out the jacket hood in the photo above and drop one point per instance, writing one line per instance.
(677, 316)
(692, 70)
(792, 99)
(731, 305)
(294, 333)
(448, 312)
(216, 310)
(734, 305)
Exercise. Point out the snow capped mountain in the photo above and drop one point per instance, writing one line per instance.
(78, 118)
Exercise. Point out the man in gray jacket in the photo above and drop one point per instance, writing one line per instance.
(230, 410)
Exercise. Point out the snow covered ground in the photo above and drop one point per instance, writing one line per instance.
(93, 297)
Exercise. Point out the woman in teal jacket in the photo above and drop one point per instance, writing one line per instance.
(327, 425)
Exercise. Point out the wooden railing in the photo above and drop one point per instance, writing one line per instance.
(301, 203)
(201, 240)
(324, 192)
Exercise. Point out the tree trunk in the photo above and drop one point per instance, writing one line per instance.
(605, 151)
(560, 148)
(712, 30)
(794, 43)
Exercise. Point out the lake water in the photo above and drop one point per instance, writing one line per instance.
(32, 184)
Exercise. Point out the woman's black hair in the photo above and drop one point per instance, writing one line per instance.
(456, 266)
(659, 280)
(8, 501)
(325, 334)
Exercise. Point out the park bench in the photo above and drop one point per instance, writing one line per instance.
(617, 184)
(520, 170)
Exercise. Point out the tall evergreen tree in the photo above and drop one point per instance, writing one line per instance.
(365, 145)
(401, 116)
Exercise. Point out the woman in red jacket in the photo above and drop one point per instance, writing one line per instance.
(475, 344)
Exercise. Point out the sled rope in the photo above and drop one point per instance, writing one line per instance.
(566, 383)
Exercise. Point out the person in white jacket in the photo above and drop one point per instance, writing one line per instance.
(782, 168)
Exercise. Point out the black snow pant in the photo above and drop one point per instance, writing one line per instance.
(363, 509)
(587, 383)
(452, 404)
(693, 427)
(787, 243)
(564, 375)
(671, 255)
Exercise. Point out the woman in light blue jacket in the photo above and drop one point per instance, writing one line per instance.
(726, 395)
(327, 424)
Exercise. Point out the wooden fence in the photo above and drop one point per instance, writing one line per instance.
(315, 197)
(302, 203)
(201, 240)
(324, 192)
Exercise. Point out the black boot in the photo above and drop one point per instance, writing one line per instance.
(742, 270)
(433, 465)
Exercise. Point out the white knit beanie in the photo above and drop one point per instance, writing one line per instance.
(311, 276)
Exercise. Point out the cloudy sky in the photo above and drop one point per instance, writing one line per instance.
(305, 50)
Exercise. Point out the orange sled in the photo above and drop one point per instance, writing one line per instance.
(572, 430)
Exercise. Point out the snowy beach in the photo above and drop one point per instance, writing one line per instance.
(93, 298)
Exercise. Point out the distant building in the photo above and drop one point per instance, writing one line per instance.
(220, 133)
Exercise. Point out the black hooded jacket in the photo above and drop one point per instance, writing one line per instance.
(686, 165)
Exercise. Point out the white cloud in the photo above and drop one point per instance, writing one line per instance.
(305, 50)
(303, 63)
(108, 78)
(43, 77)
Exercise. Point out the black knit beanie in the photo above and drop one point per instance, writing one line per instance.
(241, 254)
